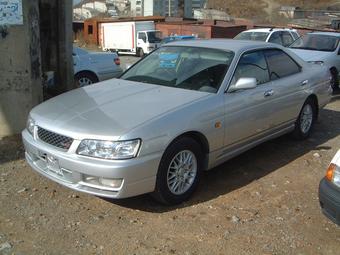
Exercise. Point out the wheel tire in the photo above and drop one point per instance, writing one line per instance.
(83, 79)
(141, 53)
(306, 120)
(335, 80)
(163, 192)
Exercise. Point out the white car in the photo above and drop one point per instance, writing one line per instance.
(92, 67)
(282, 36)
(321, 48)
(329, 191)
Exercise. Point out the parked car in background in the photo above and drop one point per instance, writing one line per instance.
(177, 38)
(282, 36)
(321, 48)
(92, 67)
(185, 108)
(329, 191)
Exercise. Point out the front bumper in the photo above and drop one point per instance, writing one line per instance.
(329, 197)
(138, 174)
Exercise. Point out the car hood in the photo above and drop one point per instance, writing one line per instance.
(110, 108)
(311, 55)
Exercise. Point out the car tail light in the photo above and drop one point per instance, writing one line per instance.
(117, 61)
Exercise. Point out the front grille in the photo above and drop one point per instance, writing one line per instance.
(54, 139)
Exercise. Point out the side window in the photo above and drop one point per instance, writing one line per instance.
(142, 36)
(295, 35)
(287, 39)
(280, 64)
(275, 38)
(252, 65)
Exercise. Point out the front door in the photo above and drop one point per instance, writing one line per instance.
(248, 112)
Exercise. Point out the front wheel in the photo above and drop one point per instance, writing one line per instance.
(141, 53)
(305, 122)
(179, 172)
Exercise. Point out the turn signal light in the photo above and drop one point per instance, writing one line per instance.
(330, 172)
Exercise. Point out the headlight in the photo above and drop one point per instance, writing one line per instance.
(316, 62)
(333, 174)
(30, 125)
(109, 149)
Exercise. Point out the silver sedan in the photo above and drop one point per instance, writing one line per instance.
(187, 107)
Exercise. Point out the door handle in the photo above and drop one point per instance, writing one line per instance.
(268, 93)
(305, 82)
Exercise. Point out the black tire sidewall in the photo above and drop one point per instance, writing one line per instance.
(162, 192)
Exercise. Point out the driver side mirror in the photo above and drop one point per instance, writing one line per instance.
(243, 83)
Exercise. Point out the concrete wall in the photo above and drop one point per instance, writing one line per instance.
(43, 43)
(20, 71)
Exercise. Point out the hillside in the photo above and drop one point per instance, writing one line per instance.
(262, 10)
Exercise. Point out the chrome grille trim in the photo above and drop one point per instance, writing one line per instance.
(60, 141)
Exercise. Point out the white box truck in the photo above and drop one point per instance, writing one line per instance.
(135, 37)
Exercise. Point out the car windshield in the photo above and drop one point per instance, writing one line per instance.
(155, 36)
(316, 42)
(253, 36)
(191, 68)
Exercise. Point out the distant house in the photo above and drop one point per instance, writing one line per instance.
(211, 14)
(287, 11)
(292, 12)
(89, 8)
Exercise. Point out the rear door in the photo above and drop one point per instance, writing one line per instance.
(288, 85)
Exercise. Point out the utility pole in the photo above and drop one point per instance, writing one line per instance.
(169, 8)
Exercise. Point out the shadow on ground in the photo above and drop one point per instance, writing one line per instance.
(11, 148)
(250, 166)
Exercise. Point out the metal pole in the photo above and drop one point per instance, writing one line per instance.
(169, 8)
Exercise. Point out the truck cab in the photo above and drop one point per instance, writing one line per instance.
(148, 41)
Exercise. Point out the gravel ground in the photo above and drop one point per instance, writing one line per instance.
(262, 202)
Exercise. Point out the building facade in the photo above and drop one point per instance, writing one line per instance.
(168, 8)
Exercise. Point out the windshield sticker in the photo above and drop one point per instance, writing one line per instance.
(168, 60)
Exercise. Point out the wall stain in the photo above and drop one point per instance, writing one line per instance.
(33, 16)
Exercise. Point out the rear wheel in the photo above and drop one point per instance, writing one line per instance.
(83, 79)
(179, 172)
(305, 122)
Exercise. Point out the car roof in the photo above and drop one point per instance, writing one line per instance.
(326, 33)
(268, 30)
(225, 44)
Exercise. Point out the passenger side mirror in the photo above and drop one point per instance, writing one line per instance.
(243, 83)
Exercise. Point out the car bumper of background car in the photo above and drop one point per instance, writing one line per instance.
(329, 196)
(137, 176)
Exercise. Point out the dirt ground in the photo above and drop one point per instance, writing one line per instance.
(262, 202)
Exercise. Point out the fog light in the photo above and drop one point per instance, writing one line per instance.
(113, 183)
(100, 182)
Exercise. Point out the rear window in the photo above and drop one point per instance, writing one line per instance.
(253, 36)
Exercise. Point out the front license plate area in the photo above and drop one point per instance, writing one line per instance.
(52, 164)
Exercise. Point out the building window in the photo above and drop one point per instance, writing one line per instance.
(90, 29)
